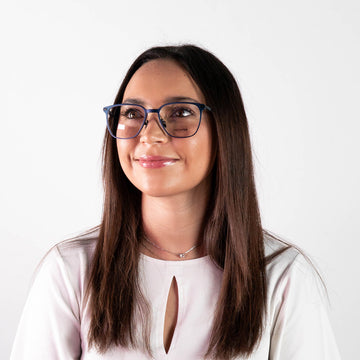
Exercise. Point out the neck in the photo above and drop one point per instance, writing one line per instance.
(173, 223)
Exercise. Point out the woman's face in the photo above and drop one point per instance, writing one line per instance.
(157, 164)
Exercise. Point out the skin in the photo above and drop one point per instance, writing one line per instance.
(174, 196)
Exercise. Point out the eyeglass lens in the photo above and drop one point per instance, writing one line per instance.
(178, 119)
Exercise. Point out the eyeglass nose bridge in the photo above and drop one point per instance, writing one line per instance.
(148, 111)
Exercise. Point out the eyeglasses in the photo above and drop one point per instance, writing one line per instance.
(177, 119)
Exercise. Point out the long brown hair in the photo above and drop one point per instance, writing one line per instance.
(233, 235)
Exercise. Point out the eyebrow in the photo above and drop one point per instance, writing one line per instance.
(167, 100)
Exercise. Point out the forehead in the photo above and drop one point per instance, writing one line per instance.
(159, 80)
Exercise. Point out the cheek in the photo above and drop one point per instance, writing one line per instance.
(211, 146)
(124, 150)
(205, 150)
(200, 157)
(120, 153)
(208, 158)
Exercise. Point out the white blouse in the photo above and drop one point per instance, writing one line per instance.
(55, 321)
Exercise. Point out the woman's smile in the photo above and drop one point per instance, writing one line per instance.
(155, 162)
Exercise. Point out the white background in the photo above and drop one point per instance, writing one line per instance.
(297, 64)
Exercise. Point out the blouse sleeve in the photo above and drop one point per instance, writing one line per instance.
(50, 324)
(302, 328)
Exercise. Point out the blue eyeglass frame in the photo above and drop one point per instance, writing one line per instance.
(201, 107)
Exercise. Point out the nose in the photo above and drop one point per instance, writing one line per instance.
(152, 132)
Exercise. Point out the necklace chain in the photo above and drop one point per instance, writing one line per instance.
(180, 255)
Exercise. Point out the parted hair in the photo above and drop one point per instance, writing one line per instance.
(232, 233)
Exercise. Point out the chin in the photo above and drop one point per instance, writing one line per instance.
(158, 186)
(158, 192)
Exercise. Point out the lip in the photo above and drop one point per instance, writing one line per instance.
(155, 162)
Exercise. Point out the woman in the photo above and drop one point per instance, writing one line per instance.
(180, 267)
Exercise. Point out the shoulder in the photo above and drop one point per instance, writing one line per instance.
(79, 249)
(72, 252)
(291, 274)
(51, 320)
(67, 263)
(297, 305)
(281, 256)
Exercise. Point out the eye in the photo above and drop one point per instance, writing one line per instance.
(181, 112)
(132, 114)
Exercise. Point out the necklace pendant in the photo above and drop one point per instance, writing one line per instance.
(182, 255)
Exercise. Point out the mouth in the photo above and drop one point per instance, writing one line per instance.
(154, 162)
